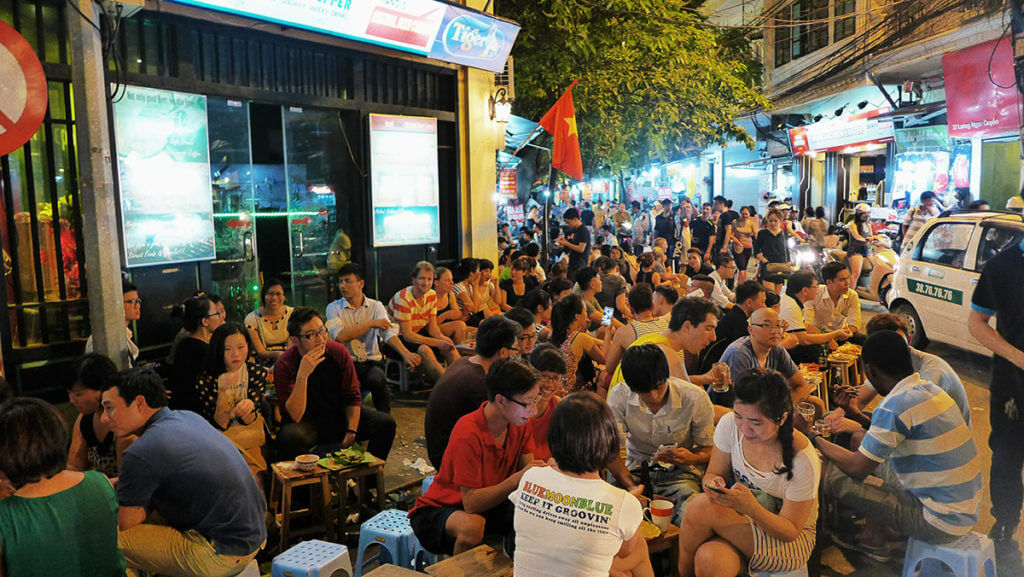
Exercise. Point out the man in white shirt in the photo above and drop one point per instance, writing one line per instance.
(918, 216)
(361, 323)
(725, 270)
(801, 290)
(836, 305)
(132, 313)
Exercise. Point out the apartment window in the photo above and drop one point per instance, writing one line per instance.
(845, 19)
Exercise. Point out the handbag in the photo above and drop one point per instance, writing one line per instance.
(775, 268)
(249, 440)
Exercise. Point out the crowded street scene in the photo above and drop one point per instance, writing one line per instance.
(512, 288)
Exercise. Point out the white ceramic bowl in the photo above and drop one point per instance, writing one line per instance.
(306, 462)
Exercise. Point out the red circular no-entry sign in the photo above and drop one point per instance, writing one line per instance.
(22, 92)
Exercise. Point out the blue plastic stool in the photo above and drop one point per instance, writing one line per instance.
(973, 555)
(427, 482)
(313, 559)
(390, 530)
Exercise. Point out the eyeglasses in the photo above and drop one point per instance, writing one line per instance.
(133, 302)
(781, 325)
(312, 334)
(524, 405)
(525, 337)
(211, 315)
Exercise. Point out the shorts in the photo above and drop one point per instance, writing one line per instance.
(742, 258)
(428, 523)
(774, 555)
(861, 249)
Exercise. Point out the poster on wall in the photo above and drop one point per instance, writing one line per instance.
(404, 180)
(981, 93)
(163, 160)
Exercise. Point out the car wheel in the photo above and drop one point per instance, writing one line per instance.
(917, 338)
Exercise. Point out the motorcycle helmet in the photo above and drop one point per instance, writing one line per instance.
(862, 207)
(1015, 203)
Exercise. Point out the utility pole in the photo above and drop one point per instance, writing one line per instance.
(96, 185)
(1017, 26)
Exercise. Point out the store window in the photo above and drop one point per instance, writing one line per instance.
(946, 244)
(993, 240)
(805, 26)
(845, 23)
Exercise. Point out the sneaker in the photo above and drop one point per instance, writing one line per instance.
(880, 554)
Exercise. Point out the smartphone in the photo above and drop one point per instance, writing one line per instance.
(718, 490)
(606, 318)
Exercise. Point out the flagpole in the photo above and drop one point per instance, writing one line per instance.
(521, 146)
(545, 247)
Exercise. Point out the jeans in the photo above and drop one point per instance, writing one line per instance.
(167, 551)
(1007, 462)
(372, 380)
(678, 484)
(377, 429)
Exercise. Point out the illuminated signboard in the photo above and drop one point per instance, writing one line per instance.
(163, 159)
(835, 135)
(404, 180)
(424, 27)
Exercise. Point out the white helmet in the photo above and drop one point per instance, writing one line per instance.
(1015, 203)
(862, 207)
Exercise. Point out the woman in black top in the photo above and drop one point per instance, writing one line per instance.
(647, 273)
(770, 244)
(515, 288)
(93, 444)
(200, 317)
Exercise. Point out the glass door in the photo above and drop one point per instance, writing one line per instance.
(318, 171)
(234, 271)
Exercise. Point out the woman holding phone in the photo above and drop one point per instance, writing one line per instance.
(760, 502)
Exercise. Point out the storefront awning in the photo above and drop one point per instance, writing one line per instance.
(520, 131)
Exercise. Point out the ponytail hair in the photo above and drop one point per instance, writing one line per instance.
(562, 315)
(769, 390)
(192, 312)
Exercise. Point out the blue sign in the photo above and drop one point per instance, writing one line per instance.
(474, 39)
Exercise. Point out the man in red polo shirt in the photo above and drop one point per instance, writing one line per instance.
(488, 452)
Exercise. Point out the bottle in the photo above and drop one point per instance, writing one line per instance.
(823, 356)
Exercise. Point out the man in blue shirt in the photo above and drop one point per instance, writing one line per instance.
(920, 447)
(188, 473)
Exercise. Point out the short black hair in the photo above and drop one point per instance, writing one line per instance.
(214, 365)
(635, 204)
(571, 213)
(267, 285)
(127, 287)
(547, 357)
(887, 322)
(33, 441)
(771, 298)
(467, 266)
(508, 377)
(521, 316)
(928, 195)
(557, 286)
(495, 333)
(352, 268)
(830, 270)
(532, 250)
(889, 353)
(720, 199)
(641, 298)
(140, 381)
(798, 281)
(583, 436)
(604, 263)
(692, 309)
(486, 264)
(533, 300)
(93, 371)
(299, 317)
(584, 276)
(723, 261)
(667, 292)
(747, 290)
(644, 368)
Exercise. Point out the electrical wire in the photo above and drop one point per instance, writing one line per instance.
(992, 56)
(74, 6)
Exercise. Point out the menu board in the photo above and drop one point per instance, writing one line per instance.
(424, 27)
(163, 160)
(404, 180)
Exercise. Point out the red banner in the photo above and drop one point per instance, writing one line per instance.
(976, 102)
(507, 183)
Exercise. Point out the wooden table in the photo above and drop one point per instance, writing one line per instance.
(483, 561)
(358, 473)
(392, 571)
(286, 477)
(667, 541)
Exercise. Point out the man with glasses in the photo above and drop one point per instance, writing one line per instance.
(318, 393)
(462, 388)
(725, 270)
(801, 289)
(489, 450)
(664, 421)
(132, 313)
(763, 349)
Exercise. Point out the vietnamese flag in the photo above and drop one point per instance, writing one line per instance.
(560, 121)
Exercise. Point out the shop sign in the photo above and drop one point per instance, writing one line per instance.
(834, 135)
(507, 183)
(404, 180)
(163, 159)
(425, 27)
(922, 139)
(936, 292)
(23, 91)
(977, 105)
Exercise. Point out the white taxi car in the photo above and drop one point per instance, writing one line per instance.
(935, 277)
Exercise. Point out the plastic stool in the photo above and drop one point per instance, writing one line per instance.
(801, 572)
(973, 555)
(251, 570)
(391, 531)
(427, 482)
(313, 559)
(403, 373)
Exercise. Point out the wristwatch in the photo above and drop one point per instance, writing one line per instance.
(811, 436)
(347, 431)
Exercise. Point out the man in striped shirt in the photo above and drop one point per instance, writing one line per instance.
(414, 308)
(920, 447)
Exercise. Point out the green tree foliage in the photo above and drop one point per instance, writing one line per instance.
(654, 79)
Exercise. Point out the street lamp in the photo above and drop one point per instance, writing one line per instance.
(499, 105)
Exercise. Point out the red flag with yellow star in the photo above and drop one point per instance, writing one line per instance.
(560, 121)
